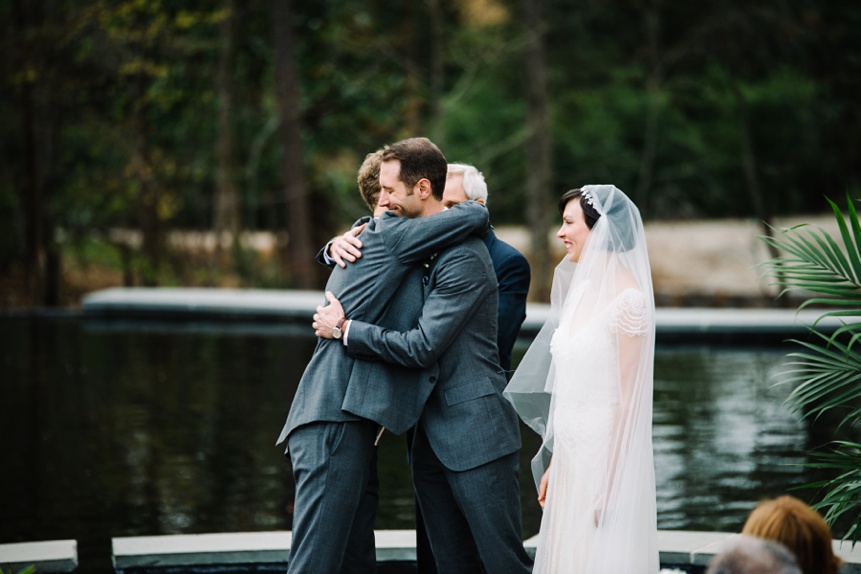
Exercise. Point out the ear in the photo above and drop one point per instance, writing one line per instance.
(423, 187)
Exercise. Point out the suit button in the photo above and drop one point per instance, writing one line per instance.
(432, 380)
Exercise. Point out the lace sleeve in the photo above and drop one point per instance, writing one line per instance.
(630, 314)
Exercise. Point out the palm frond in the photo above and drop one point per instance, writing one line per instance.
(842, 493)
(826, 373)
(852, 247)
(825, 378)
(815, 261)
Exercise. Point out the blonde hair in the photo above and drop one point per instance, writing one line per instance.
(798, 527)
(368, 178)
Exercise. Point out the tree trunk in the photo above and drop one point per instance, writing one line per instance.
(411, 121)
(539, 153)
(642, 193)
(53, 253)
(147, 184)
(31, 191)
(227, 217)
(147, 196)
(437, 73)
(300, 249)
(751, 173)
(749, 163)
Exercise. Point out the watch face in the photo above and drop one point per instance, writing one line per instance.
(336, 332)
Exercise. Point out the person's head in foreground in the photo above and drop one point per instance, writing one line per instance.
(750, 555)
(800, 528)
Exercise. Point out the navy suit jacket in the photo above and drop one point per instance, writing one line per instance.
(512, 275)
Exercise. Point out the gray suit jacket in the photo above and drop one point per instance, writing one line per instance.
(467, 420)
(336, 387)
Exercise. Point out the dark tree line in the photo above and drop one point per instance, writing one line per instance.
(227, 116)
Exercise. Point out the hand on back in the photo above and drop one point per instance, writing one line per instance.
(347, 247)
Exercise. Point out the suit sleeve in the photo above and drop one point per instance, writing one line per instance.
(460, 284)
(321, 255)
(412, 240)
(513, 276)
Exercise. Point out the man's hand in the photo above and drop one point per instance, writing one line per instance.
(327, 316)
(347, 247)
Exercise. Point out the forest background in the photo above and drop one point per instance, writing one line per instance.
(184, 142)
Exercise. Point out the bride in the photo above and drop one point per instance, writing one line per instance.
(585, 385)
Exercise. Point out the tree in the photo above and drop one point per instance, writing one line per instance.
(538, 149)
(300, 246)
(227, 215)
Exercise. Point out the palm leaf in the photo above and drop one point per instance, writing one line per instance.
(826, 373)
(851, 246)
(815, 261)
(843, 492)
(825, 378)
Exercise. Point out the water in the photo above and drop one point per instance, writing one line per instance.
(112, 429)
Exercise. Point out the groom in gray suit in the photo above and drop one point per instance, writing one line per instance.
(341, 403)
(465, 451)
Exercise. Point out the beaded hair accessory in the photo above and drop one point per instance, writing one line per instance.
(589, 197)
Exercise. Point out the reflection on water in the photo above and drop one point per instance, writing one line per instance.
(159, 429)
(722, 437)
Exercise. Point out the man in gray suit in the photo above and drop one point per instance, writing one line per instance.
(465, 451)
(341, 403)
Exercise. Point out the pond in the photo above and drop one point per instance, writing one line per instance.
(122, 429)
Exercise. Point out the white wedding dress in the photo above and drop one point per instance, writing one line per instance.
(586, 406)
(585, 385)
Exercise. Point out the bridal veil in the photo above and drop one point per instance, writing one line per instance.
(609, 290)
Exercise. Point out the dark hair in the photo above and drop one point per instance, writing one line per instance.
(420, 159)
(590, 213)
(620, 211)
(368, 178)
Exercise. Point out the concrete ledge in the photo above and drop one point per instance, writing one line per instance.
(689, 548)
(683, 547)
(201, 301)
(49, 556)
(201, 549)
(237, 548)
(677, 548)
(672, 324)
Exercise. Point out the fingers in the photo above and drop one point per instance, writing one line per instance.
(542, 488)
(347, 247)
(327, 316)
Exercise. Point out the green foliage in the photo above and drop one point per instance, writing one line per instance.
(27, 570)
(110, 109)
(827, 376)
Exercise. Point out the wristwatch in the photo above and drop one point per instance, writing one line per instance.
(336, 330)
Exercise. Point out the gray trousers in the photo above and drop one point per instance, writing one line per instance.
(472, 517)
(335, 469)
